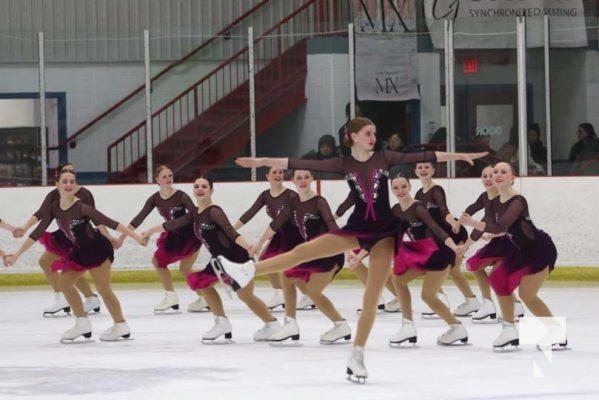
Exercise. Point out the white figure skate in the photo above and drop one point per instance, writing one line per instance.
(82, 328)
(118, 331)
(340, 330)
(456, 333)
(406, 333)
(169, 304)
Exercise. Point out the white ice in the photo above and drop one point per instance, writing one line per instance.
(166, 359)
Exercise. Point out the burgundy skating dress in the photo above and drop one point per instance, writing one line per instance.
(179, 243)
(287, 236)
(436, 204)
(89, 248)
(56, 242)
(532, 249)
(496, 248)
(216, 233)
(426, 250)
(371, 219)
(312, 218)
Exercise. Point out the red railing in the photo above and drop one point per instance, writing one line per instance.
(223, 32)
(228, 76)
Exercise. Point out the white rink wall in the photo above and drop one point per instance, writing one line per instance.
(565, 207)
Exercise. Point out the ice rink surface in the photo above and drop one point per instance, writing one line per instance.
(166, 359)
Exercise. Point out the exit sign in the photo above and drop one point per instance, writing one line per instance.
(470, 65)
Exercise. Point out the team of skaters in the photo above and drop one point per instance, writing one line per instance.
(304, 248)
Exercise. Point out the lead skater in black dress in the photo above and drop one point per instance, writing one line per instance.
(371, 225)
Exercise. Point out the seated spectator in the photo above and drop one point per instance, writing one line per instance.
(584, 154)
(326, 149)
(584, 150)
(508, 152)
(395, 143)
(538, 152)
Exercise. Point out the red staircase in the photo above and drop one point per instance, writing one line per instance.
(223, 129)
(209, 122)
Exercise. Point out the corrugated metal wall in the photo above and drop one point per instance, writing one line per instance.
(112, 30)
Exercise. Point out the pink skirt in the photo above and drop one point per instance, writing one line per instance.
(422, 255)
(176, 245)
(56, 243)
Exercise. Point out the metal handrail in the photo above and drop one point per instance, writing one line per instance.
(139, 89)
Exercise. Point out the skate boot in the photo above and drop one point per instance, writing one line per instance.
(340, 330)
(222, 327)
(289, 331)
(430, 314)
(199, 305)
(518, 309)
(170, 302)
(380, 305)
(469, 306)
(508, 337)
(269, 329)
(555, 340)
(240, 274)
(59, 308)
(486, 312)
(407, 332)
(82, 327)
(393, 306)
(277, 300)
(91, 305)
(356, 371)
(456, 333)
(305, 303)
(118, 331)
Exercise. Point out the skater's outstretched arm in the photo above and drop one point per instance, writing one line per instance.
(254, 162)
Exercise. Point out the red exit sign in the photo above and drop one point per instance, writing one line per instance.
(470, 65)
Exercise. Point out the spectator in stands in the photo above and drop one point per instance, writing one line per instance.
(584, 154)
(395, 143)
(538, 152)
(345, 151)
(326, 149)
(439, 138)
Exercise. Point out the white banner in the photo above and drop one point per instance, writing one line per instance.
(484, 24)
(386, 59)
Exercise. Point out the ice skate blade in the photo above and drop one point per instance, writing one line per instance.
(340, 340)
(93, 311)
(170, 311)
(65, 312)
(354, 378)
(76, 341)
(465, 315)
(310, 307)
(81, 339)
(59, 314)
(487, 319)
(506, 348)
(555, 347)
(277, 307)
(124, 338)
(203, 310)
(411, 340)
(216, 342)
(285, 343)
(458, 342)
(380, 307)
(429, 316)
(392, 311)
